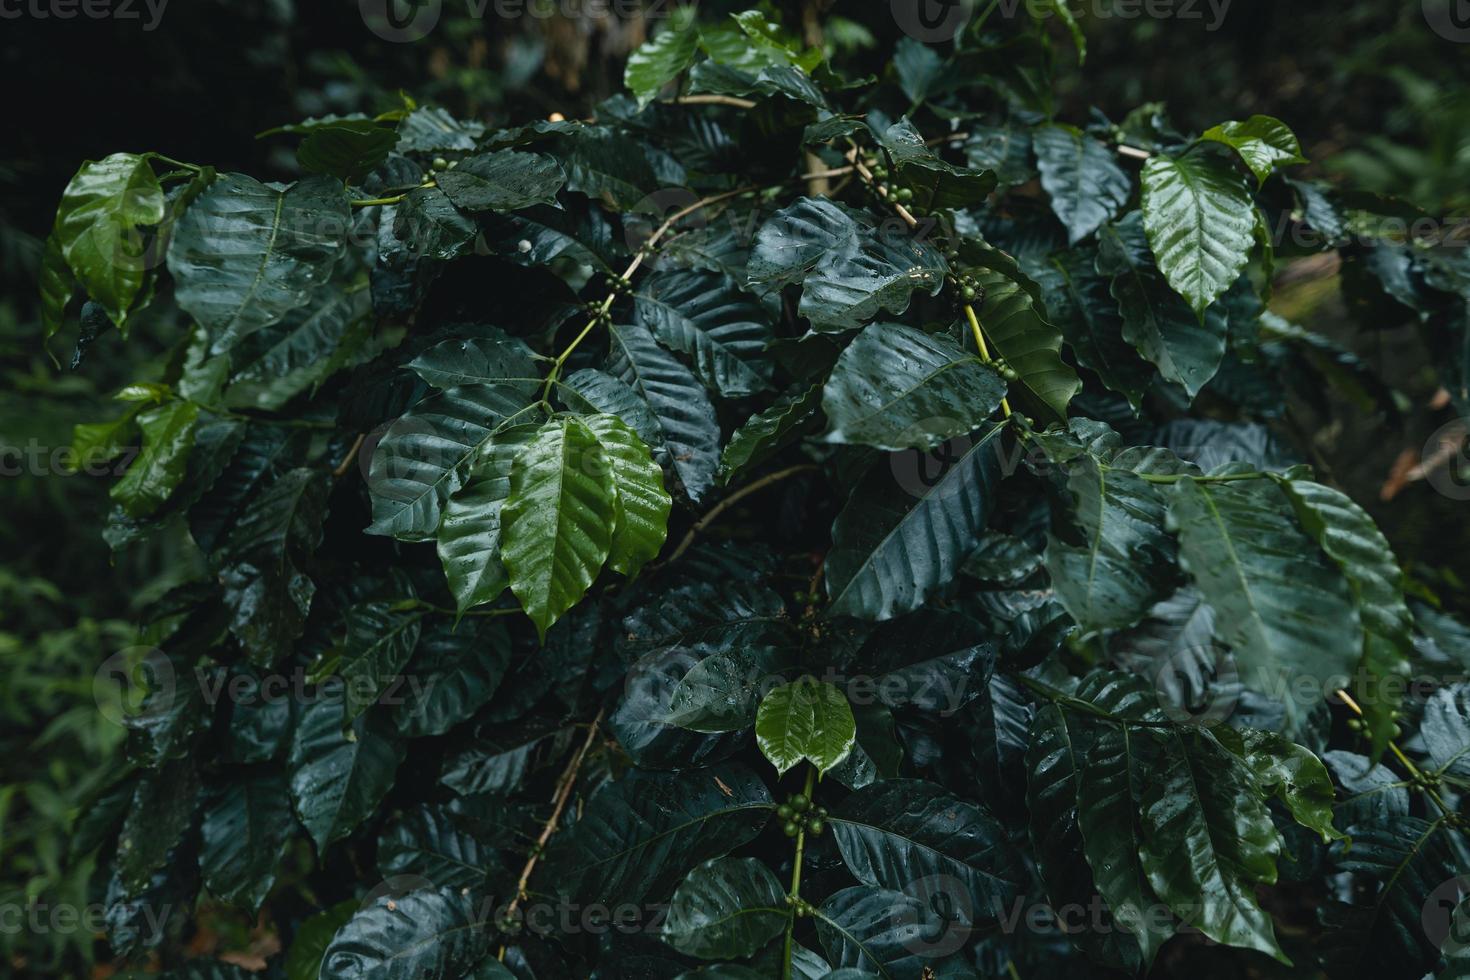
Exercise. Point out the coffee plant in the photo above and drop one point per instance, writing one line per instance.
(789, 525)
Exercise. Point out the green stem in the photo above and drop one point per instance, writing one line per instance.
(1005, 405)
(194, 167)
(370, 201)
(597, 317)
(1221, 478)
(795, 893)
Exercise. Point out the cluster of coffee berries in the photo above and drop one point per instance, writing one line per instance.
(902, 195)
(970, 291)
(439, 165)
(799, 814)
(800, 906)
(1356, 725)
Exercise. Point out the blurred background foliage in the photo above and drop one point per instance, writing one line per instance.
(1380, 101)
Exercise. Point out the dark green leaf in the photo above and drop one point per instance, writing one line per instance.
(642, 834)
(1085, 183)
(245, 254)
(849, 266)
(1200, 222)
(897, 388)
(1264, 143)
(156, 472)
(726, 908)
(430, 934)
(768, 431)
(504, 180)
(265, 590)
(496, 358)
(705, 315)
(1208, 841)
(469, 537)
(659, 61)
(380, 639)
(642, 506)
(427, 454)
(906, 531)
(898, 831)
(245, 831)
(1155, 319)
(680, 405)
(1351, 539)
(427, 842)
(431, 226)
(338, 775)
(97, 232)
(1285, 607)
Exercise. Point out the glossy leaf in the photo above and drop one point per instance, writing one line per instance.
(245, 254)
(768, 431)
(681, 408)
(849, 267)
(429, 933)
(706, 316)
(1016, 327)
(1350, 538)
(659, 61)
(156, 472)
(1084, 181)
(266, 592)
(559, 519)
(493, 359)
(427, 842)
(1200, 222)
(244, 834)
(97, 231)
(1208, 840)
(897, 831)
(896, 388)
(426, 455)
(1156, 320)
(1124, 561)
(727, 908)
(469, 536)
(905, 532)
(642, 507)
(1263, 142)
(380, 640)
(806, 719)
(503, 180)
(1285, 608)
(338, 775)
(641, 835)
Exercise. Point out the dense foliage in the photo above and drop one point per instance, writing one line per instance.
(484, 675)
